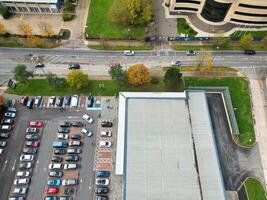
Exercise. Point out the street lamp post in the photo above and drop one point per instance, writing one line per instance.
(129, 35)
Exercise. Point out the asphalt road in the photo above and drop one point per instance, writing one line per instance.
(235, 161)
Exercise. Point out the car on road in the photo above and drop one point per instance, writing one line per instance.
(29, 150)
(77, 124)
(106, 124)
(190, 52)
(39, 65)
(59, 101)
(67, 101)
(35, 143)
(55, 166)
(63, 130)
(38, 100)
(105, 133)
(10, 115)
(101, 181)
(72, 158)
(52, 100)
(38, 124)
(30, 103)
(23, 174)
(51, 198)
(54, 182)
(74, 66)
(104, 144)
(22, 181)
(87, 118)
(249, 52)
(32, 130)
(56, 159)
(20, 190)
(70, 166)
(24, 100)
(65, 124)
(32, 137)
(5, 128)
(68, 182)
(176, 63)
(101, 197)
(76, 137)
(7, 121)
(60, 151)
(102, 174)
(75, 143)
(90, 101)
(25, 165)
(74, 151)
(128, 53)
(4, 135)
(86, 132)
(26, 158)
(51, 190)
(3, 143)
(57, 174)
(62, 136)
(101, 190)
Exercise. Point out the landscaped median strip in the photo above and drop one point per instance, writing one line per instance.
(254, 189)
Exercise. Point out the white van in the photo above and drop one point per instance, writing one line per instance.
(74, 101)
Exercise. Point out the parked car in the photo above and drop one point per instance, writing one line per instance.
(30, 103)
(26, 158)
(12, 109)
(10, 114)
(90, 101)
(29, 150)
(51, 190)
(190, 52)
(106, 124)
(97, 197)
(1, 151)
(51, 198)
(65, 198)
(39, 65)
(101, 181)
(60, 144)
(22, 181)
(72, 158)
(128, 53)
(55, 166)
(105, 133)
(3, 143)
(68, 182)
(75, 143)
(63, 130)
(54, 182)
(87, 132)
(70, 166)
(5, 128)
(32, 137)
(16, 198)
(87, 118)
(56, 159)
(24, 100)
(57, 174)
(67, 101)
(37, 101)
(20, 190)
(62, 136)
(104, 144)
(35, 143)
(32, 130)
(74, 66)
(60, 151)
(102, 174)
(23, 174)
(38, 124)
(65, 124)
(249, 52)
(59, 101)
(25, 165)
(52, 100)
(7, 121)
(101, 190)
(77, 124)
(74, 101)
(4, 135)
(176, 63)
(74, 151)
(68, 190)
(76, 137)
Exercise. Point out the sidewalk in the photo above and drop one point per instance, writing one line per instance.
(260, 114)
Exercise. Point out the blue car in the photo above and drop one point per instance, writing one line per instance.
(103, 174)
(54, 182)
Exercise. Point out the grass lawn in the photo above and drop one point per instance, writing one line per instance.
(238, 88)
(121, 47)
(99, 25)
(194, 69)
(184, 28)
(255, 189)
(253, 33)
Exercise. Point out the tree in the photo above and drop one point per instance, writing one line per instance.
(138, 75)
(21, 74)
(46, 29)
(2, 100)
(118, 74)
(55, 81)
(4, 12)
(221, 42)
(245, 41)
(77, 79)
(2, 29)
(204, 61)
(26, 29)
(172, 78)
(264, 42)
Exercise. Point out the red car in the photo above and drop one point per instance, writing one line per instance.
(38, 124)
(51, 190)
(32, 143)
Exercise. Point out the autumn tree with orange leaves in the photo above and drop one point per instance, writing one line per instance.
(138, 75)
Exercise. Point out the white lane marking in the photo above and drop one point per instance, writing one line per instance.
(89, 187)
(81, 180)
(13, 167)
(4, 165)
(44, 169)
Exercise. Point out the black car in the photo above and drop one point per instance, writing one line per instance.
(68, 190)
(67, 101)
(57, 174)
(249, 52)
(56, 159)
(59, 101)
(7, 121)
(65, 124)
(4, 135)
(39, 65)
(76, 137)
(106, 124)
(74, 66)
(101, 190)
(32, 137)
(24, 100)
(30, 103)
(90, 101)
(72, 158)
(77, 124)
(29, 150)
(64, 130)
(59, 151)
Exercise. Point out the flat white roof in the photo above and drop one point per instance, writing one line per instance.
(31, 1)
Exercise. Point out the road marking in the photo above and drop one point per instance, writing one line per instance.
(13, 167)
(45, 169)
(37, 162)
(89, 187)
(81, 180)
(4, 165)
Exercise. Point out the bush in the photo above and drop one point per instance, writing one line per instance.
(184, 28)
(154, 80)
(4, 12)
(68, 17)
